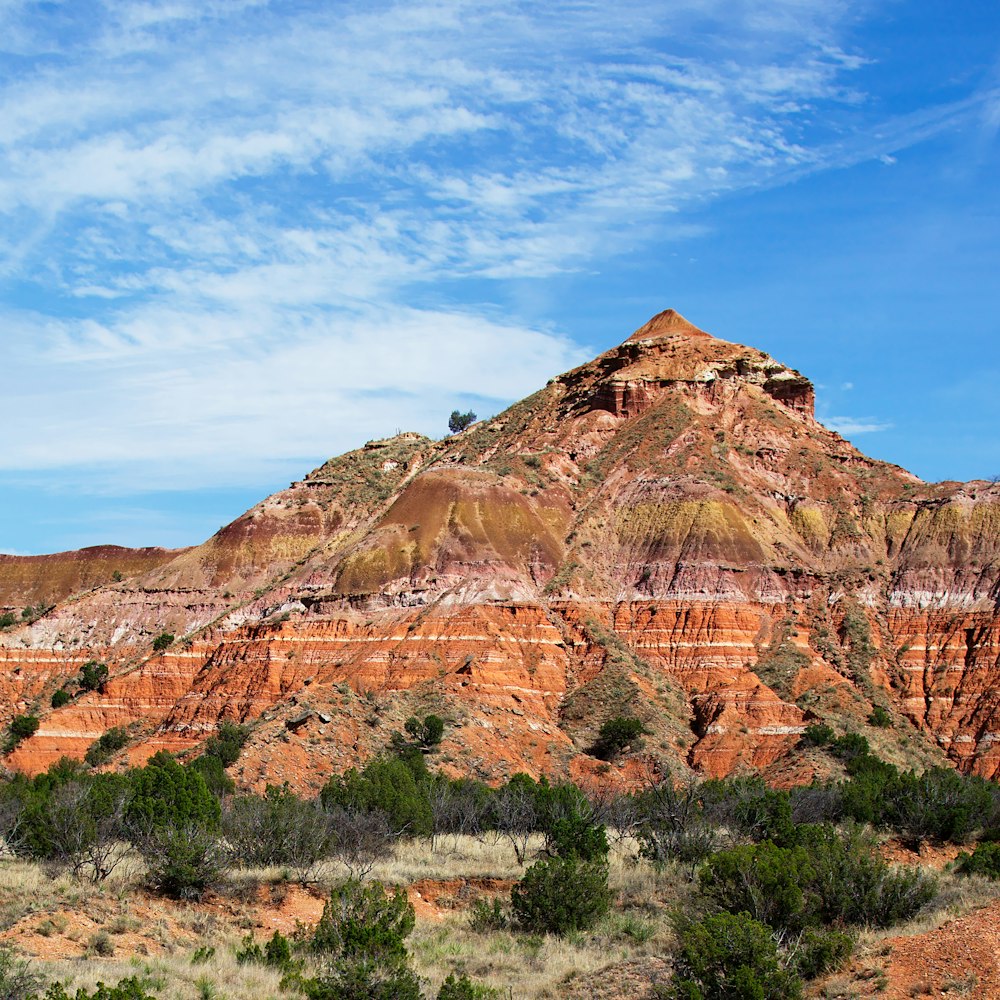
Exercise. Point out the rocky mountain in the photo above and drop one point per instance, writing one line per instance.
(665, 532)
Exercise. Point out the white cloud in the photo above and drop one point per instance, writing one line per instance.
(849, 426)
(231, 206)
(226, 409)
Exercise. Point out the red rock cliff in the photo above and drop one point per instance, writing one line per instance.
(665, 532)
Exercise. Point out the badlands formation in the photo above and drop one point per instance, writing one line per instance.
(665, 532)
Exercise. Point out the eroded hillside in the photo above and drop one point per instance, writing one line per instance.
(665, 532)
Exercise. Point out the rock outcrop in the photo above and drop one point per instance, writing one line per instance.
(665, 532)
(28, 582)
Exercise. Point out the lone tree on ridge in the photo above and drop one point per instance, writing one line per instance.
(459, 421)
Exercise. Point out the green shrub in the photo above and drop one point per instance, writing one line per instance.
(428, 733)
(93, 676)
(729, 957)
(464, 988)
(766, 882)
(106, 746)
(362, 979)
(183, 861)
(276, 953)
(362, 919)
(561, 895)
(61, 697)
(249, 952)
(880, 718)
(388, 785)
(615, 735)
(24, 726)
(984, 860)
(864, 797)
(850, 747)
(817, 735)
(163, 641)
(101, 944)
(7, 619)
(132, 988)
(21, 727)
(853, 886)
(826, 879)
(577, 838)
(166, 793)
(227, 743)
(459, 421)
(940, 804)
(486, 917)
(18, 980)
(819, 952)
(569, 822)
(360, 939)
(214, 774)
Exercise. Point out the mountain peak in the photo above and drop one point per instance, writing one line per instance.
(668, 323)
(664, 532)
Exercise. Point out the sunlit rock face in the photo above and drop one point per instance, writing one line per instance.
(665, 532)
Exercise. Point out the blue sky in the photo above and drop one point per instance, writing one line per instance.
(242, 236)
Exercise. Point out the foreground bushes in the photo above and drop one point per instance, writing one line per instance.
(729, 957)
(359, 946)
(18, 979)
(785, 910)
(775, 907)
(132, 988)
(360, 941)
(984, 860)
(561, 895)
(184, 861)
(827, 879)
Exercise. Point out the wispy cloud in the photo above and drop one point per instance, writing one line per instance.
(849, 426)
(250, 403)
(228, 226)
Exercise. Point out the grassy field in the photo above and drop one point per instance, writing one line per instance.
(82, 933)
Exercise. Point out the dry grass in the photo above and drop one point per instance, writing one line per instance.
(533, 965)
(70, 924)
(540, 966)
(75, 922)
(175, 977)
(452, 857)
(959, 894)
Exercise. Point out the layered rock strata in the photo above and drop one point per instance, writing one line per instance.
(665, 532)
